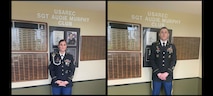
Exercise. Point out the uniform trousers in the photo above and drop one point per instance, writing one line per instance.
(157, 87)
(61, 90)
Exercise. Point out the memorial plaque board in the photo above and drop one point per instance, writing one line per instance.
(124, 50)
(187, 47)
(28, 36)
(123, 65)
(29, 66)
(124, 36)
(93, 48)
(29, 54)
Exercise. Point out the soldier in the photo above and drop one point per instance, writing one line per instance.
(61, 70)
(71, 39)
(163, 61)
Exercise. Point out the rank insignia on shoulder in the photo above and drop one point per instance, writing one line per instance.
(53, 54)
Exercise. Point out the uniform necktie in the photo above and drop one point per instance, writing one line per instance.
(163, 44)
(62, 56)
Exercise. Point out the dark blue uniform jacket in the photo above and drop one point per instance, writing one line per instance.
(163, 59)
(64, 71)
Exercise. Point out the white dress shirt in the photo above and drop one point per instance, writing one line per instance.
(62, 55)
(161, 41)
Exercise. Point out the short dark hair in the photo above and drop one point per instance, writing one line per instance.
(61, 41)
(163, 28)
(70, 34)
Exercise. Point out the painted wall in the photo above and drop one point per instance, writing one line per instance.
(182, 24)
(92, 23)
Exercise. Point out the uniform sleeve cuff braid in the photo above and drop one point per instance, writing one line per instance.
(170, 69)
(70, 77)
(155, 70)
(54, 77)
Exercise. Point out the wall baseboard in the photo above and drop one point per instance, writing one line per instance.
(150, 81)
(49, 84)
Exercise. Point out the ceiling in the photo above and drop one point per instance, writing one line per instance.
(194, 7)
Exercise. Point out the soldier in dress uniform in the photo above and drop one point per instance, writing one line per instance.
(61, 70)
(71, 39)
(163, 61)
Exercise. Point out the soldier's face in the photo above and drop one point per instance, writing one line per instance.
(62, 46)
(164, 34)
(70, 36)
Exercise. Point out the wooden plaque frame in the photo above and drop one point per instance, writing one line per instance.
(29, 36)
(29, 54)
(124, 50)
(187, 47)
(123, 36)
(123, 65)
(93, 48)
